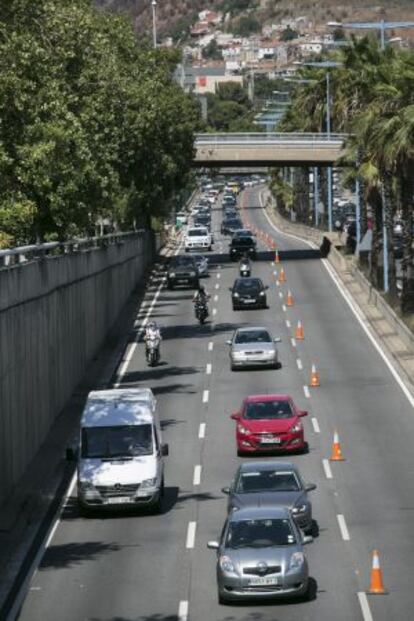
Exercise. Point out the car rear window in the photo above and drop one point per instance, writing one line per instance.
(267, 481)
(196, 232)
(242, 241)
(252, 336)
(268, 410)
(247, 284)
(183, 262)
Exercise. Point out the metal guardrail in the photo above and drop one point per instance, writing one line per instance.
(36, 252)
(263, 139)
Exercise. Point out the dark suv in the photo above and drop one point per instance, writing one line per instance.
(241, 245)
(182, 270)
(229, 225)
(248, 292)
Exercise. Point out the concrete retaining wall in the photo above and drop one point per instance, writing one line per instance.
(54, 316)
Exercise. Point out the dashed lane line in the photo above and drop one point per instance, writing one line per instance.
(299, 364)
(183, 610)
(315, 425)
(210, 346)
(202, 431)
(288, 324)
(363, 602)
(197, 475)
(206, 395)
(209, 368)
(191, 533)
(327, 468)
(306, 391)
(293, 341)
(343, 527)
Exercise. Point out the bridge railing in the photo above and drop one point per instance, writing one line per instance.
(260, 138)
(35, 252)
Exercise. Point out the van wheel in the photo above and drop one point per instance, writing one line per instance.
(158, 504)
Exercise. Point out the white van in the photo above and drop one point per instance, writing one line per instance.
(120, 458)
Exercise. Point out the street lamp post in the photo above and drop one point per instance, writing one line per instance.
(381, 26)
(154, 23)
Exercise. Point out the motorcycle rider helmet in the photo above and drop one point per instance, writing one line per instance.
(152, 325)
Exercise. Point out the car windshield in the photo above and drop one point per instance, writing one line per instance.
(268, 410)
(125, 441)
(247, 285)
(183, 262)
(267, 481)
(243, 241)
(252, 336)
(260, 534)
(196, 232)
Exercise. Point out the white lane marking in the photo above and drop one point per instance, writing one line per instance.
(280, 294)
(274, 273)
(124, 365)
(343, 527)
(191, 532)
(202, 431)
(293, 341)
(299, 363)
(288, 325)
(217, 286)
(218, 275)
(206, 394)
(210, 346)
(214, 311)
(315, 425)
(277, 284)
(366, 610)
(197, 475)
(364, 324)
(306, 391)
(183, 610)
(354, 308)
(284, 308)
(216, 298)
(327, 468)
(208, 368)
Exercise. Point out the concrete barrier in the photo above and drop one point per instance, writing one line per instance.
(55, 312)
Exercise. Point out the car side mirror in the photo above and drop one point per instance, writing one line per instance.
(213, 545)
(307, 539)
(225, 490)
(235, 416)
(310, 487)
(303, 413)
(165, 450)
(71, 454)
(277, 339)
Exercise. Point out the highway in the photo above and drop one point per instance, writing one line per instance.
(157, 567)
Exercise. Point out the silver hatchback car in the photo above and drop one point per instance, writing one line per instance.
(260, 556)
(253, 347)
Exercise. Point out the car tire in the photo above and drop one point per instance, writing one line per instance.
(158, 504)
(240, 453)
(223, 601)
(233, 367)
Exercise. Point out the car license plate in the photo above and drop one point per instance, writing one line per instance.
(182, 280)
(249, 301)
(270, 440)
(265, 581)
(118, 500)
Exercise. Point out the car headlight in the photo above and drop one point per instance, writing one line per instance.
(299, 509)
(236, 295)
(226, 564)
(297, 559)
(192, 273)
(296, 428)
(148, 483)
(262, 293)
(172, 274)
(243, 430)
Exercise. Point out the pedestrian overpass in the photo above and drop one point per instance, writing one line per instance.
(267, 149)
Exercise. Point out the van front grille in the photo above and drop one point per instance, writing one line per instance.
(117, 490)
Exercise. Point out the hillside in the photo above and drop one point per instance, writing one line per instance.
(176, 16)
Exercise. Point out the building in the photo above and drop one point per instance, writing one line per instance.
(203, 80)
(210, 17)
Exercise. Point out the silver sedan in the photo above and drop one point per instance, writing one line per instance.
(271, 484)
(260, 556)
(253, 347)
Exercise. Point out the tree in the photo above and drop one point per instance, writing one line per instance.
(247, 25)
(212, 51)
(288, 34)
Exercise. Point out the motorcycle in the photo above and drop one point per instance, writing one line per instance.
(201, 311)
(152, 350)
(245, 268)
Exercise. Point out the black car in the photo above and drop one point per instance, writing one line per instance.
(241, 245)
(248, 292)
(182, 270)
(230, 212)
(229, 225)
(202, 219)
(229, 200)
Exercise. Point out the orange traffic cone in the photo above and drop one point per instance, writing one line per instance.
(315, 379)
(282, 275)
(336, 449)
(277, 259)
(377, 585)
(289, 299)
(299, 333)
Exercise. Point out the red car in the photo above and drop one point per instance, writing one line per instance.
(268, 423)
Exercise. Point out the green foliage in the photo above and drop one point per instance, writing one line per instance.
(288, 34)
(247, 25)
(91, 124)
(212, 51)
(230, 109)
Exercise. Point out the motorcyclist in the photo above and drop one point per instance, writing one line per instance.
(201, 297)
(152, 331)
(244, 263)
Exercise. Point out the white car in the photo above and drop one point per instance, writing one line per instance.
(197, 238)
